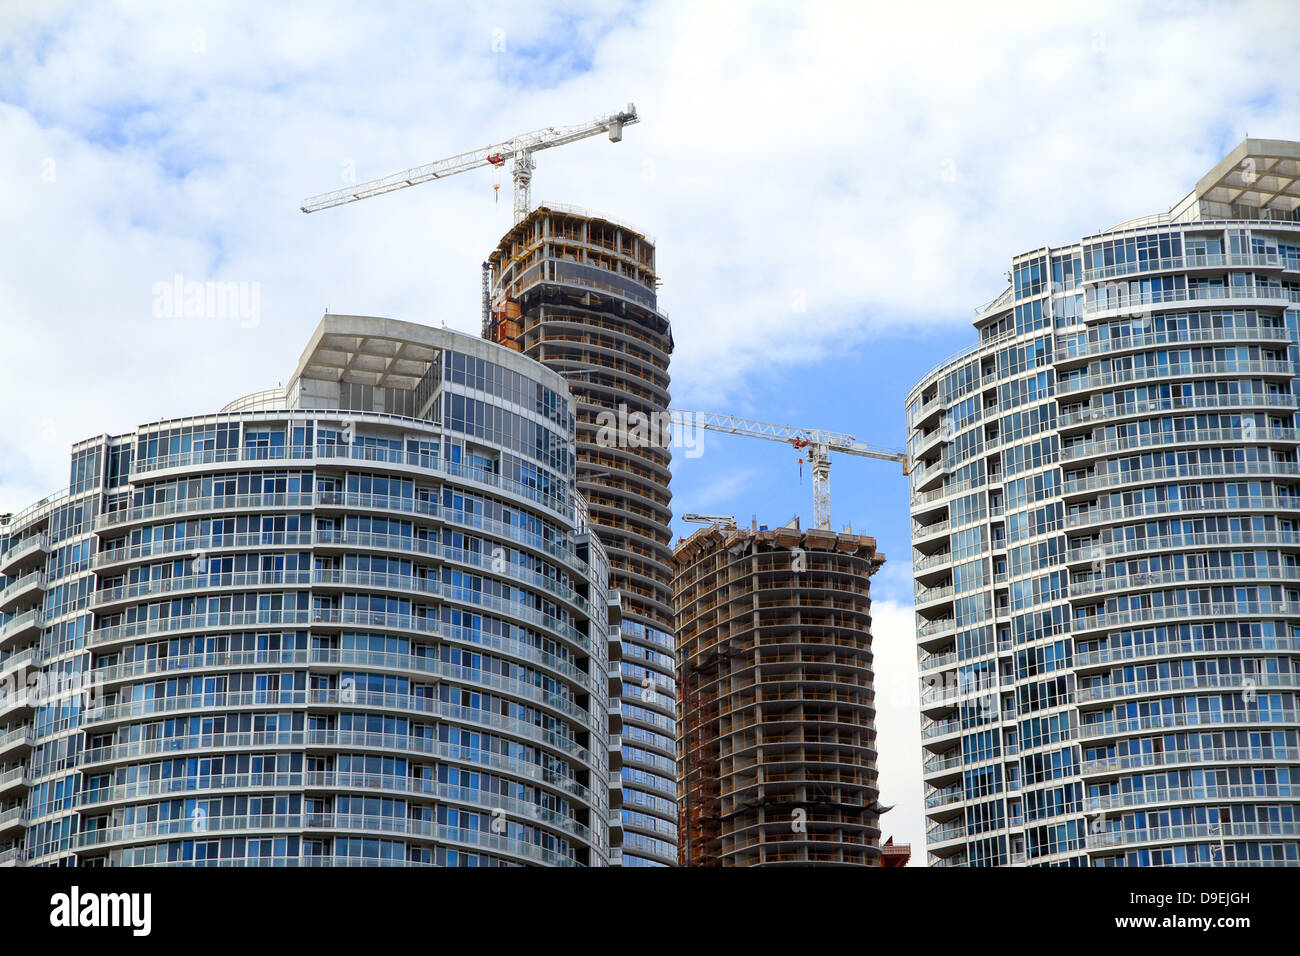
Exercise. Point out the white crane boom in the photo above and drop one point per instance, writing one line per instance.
(520, 149)
(818, 442)
(710, 519)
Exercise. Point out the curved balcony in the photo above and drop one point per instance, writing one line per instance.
(22, 590)
(930, 599)
(934, 730)
(1089, 416)
(13, 823)
(933, 564)
(1163, 649)
(925, 441)
(1245, 503)
(1209, 832)
(262, 824)
(1176, 796)
(1238, 367)
(107, 715)
(1094, 348)
(1138, 303)
(1141, 476)
(946, 492)
(381, 458)
(932, 634)
(25, 554)
(338, 659)
(1146, 580)
(336, 782)
(338, 618)
(932, 662)
(1113, 766)
(947, 837)
(931, 533)
(946, 798)
(17, 663)
(1245, 684)
(15, 742)
(206, 544)
(24, 627)
(1217, 261)
(208, 583)
(11, 781)
(939, 768)
(1082, 624)
(1181, 542)
(143, 514)
(1098, 448)
(120, 558)
(326, 741)
(1129, 726)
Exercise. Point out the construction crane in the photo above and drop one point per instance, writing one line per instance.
(709, 519)
(816, 443)
(519, 149)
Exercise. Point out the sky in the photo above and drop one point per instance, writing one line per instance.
(833, 187)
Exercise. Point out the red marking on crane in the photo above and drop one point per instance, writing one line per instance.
(496, 159)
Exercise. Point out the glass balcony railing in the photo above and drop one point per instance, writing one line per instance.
(1088, 382)
(1088, 415)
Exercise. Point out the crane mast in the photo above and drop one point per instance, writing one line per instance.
(816, 443)
(519, 149)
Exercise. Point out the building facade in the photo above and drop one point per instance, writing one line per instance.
(1106, 531)
(577, 292)
(777, 752)
(355, 621)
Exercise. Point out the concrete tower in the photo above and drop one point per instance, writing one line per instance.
(778, 737)
(576, 291)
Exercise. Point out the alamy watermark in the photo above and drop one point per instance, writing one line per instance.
(180, 299)
(76, 909)
(632, 429)
(41, 687)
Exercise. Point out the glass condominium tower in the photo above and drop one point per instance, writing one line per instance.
(355, 621)
(1106, 534)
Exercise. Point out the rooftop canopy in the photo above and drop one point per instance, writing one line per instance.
(385, 353)
(1260, 173)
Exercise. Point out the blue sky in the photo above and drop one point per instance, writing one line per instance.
(880, 166)
(859, 391)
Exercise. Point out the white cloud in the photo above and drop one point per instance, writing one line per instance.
(880, 165)
(898, 724)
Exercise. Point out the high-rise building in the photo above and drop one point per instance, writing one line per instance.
(1106, 532)
(577, 292)
(358, 620)
(777, 749)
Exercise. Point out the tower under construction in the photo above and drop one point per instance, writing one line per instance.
(577, 292)
(777, 748)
